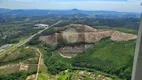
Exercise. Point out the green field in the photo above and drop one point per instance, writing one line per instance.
(64, 76)
(20, 54)
(10, 70)
(42, 77)
(121, 29)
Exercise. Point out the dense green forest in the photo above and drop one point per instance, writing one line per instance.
(115, 58)
(14, 76)
(54, 61)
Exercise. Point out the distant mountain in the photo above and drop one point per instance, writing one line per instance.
(36, 12)
(75, 9)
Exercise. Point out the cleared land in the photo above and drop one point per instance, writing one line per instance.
(76, 33)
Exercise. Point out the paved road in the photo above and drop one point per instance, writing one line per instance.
(25, 41)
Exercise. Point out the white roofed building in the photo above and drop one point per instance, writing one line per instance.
(41, 25)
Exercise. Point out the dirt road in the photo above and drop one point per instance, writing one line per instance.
(39, 62)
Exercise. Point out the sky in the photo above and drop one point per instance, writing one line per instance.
(109, 5)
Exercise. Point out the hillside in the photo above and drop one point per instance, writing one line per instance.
(85, 33)
(112, 57)
(77, 33)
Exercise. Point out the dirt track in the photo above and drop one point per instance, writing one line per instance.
(39, 63)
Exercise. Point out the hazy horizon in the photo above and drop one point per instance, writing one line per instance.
(70, 9)
(89, 5)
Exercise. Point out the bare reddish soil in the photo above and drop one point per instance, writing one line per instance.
(83, 33)
(87, 34)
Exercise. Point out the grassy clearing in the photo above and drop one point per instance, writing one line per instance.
(9, 69)
(102, 27)
(18, 55)
(86, 78)
(42, 77)
(31, 61)
(126, 30)
(43, 68)
(32, 68)
(64, 76)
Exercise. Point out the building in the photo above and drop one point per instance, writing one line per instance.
(42, 25)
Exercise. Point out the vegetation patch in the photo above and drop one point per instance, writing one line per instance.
(18, 55)
(114, 58)
(42, 77)
(9, 69)
(64, 76)
(13, 76)
(32, 68)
